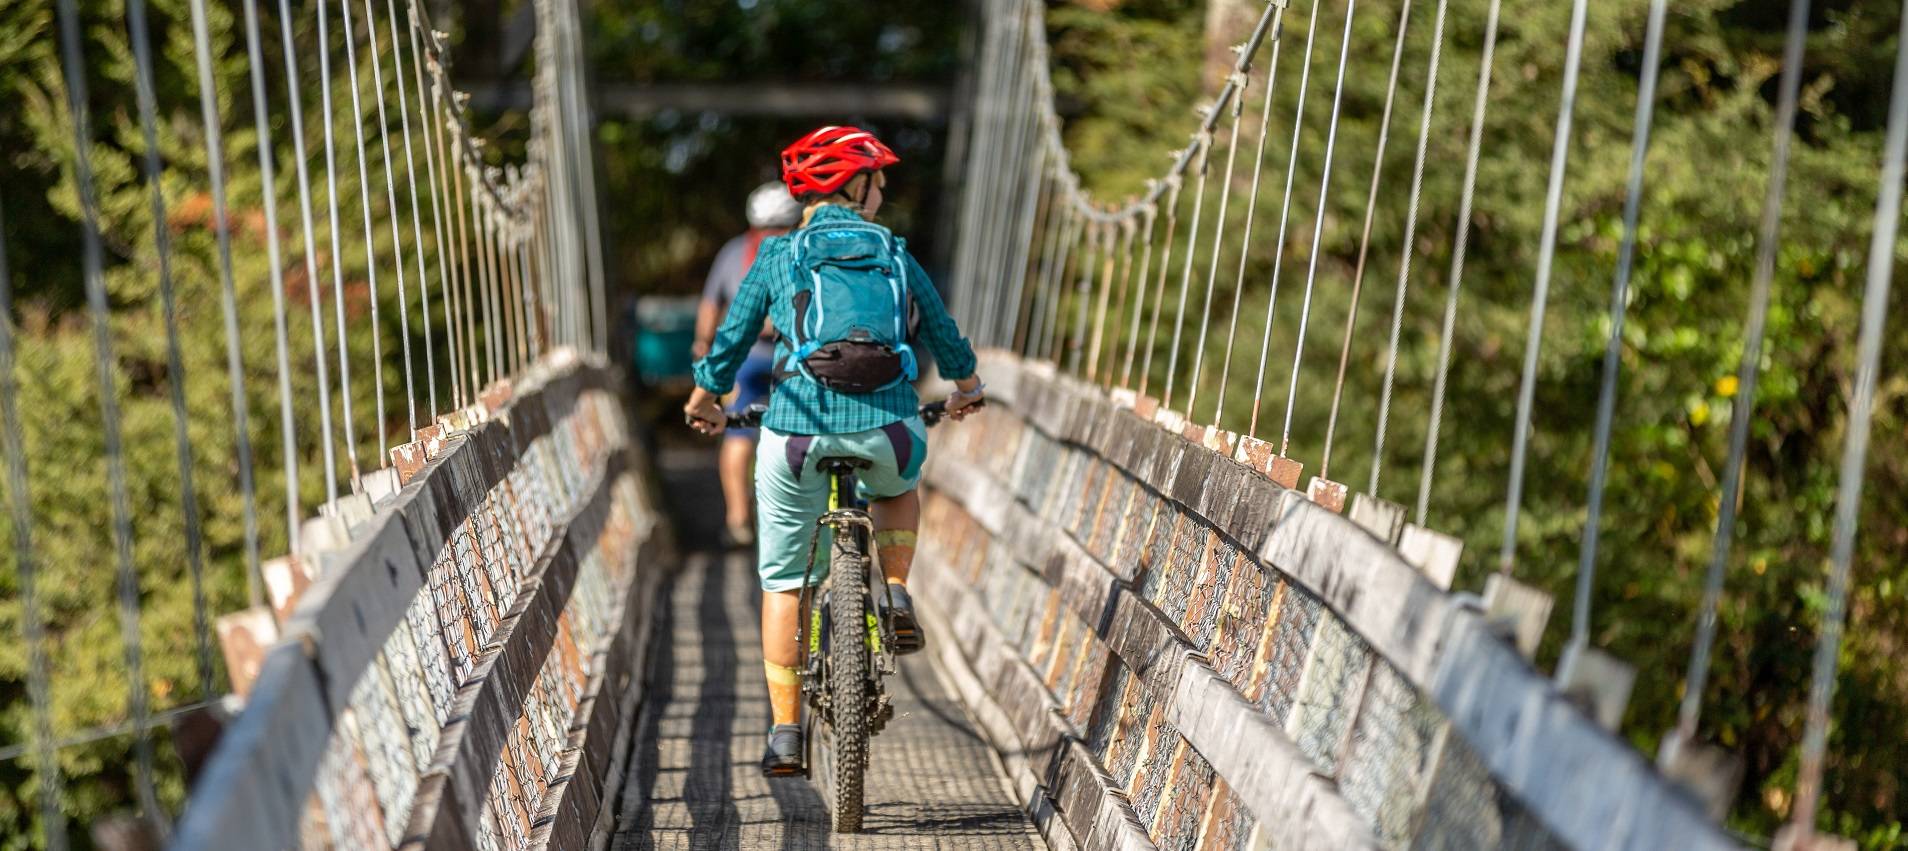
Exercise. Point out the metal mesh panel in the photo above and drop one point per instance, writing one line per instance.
(1029, 596)
(1129, 731)
(1329, 693)
(408, 683)
(1061, 485)
(1292, 636)
(1149, 782)
(1185, 803)
(1084, 686)
(1390, 754)
(1113, 515)
(1166, 526)
(385, 746)
(1084, 496)
(1035, 469)
(1136, 525)
(1229, 826)
(1241, 623)
(347, 802)
(1100, 726)
(1460, 812)
(1040, 640)
(1208, 594)
(1058, 663)
(1170, 587)
(999, 588)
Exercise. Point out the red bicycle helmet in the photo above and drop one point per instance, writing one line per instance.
(822, 162)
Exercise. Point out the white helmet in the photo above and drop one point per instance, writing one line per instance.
(770, 206)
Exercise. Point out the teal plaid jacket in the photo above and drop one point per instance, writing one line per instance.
(799, 405)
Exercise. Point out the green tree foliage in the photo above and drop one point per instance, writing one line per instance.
(680, 177)
(1707, 168)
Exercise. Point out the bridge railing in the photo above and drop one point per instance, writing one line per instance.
(454, 675)
(1174, 651)
(1146, 297)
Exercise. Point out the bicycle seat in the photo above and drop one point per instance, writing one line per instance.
(838, 466)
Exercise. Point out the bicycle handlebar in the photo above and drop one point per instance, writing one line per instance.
(932, 414)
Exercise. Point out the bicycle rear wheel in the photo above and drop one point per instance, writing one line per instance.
(848, 681)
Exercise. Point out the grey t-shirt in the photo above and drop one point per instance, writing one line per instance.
(725, 280)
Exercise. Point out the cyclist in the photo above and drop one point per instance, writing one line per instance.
(772, 212)
(843, 390)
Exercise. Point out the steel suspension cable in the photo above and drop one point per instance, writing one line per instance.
(1285, 210)
(509, 290)
(1861, 409)
(1096, 250)
(430, 119)
(1082, 291)
(983, 237)
(526, 275)
(1252, 209)
(268, 188)
(1241, 79)
(519, 318)
(1128, 228)
(495, 339)
(1174, 184)
(592, 230)
(228, 298)
(456, 167)
(1033, 308)
(73, 60)
(1078, 254)
(457, 257)
(1037, 206)
(417, 219)
(1364, 238)
(337, 257)
(1553, 203)
(1151, 214)
(1029, 159)
(1063, 265)
(1619, 302)
(1462, 239)
(484, 247)
(141, 38)
(1042, 229)
(292, 97)
(397, 239)
(1318, 230)
(1407, 245)
(1108, 266)
(1749, 370)
(370, 237)
(1202, 176)
(26, 577)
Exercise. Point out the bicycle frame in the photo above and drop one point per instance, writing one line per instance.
(844, 516)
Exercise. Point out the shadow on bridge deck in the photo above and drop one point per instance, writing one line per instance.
(692, 779)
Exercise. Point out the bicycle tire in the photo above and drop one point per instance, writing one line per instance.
(847, 681)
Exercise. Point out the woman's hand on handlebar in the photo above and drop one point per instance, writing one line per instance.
(704, 412)
(967, 397)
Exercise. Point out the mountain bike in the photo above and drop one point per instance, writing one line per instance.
(846, 644)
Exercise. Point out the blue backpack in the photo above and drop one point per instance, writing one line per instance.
(851, 317)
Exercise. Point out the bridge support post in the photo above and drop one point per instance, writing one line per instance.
(1598, 682)
(1520, 609)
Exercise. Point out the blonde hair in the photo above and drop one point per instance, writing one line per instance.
(839, 198)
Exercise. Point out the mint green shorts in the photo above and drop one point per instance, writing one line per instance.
(791, 494)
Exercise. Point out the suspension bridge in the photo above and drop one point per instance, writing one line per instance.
(470, 617)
